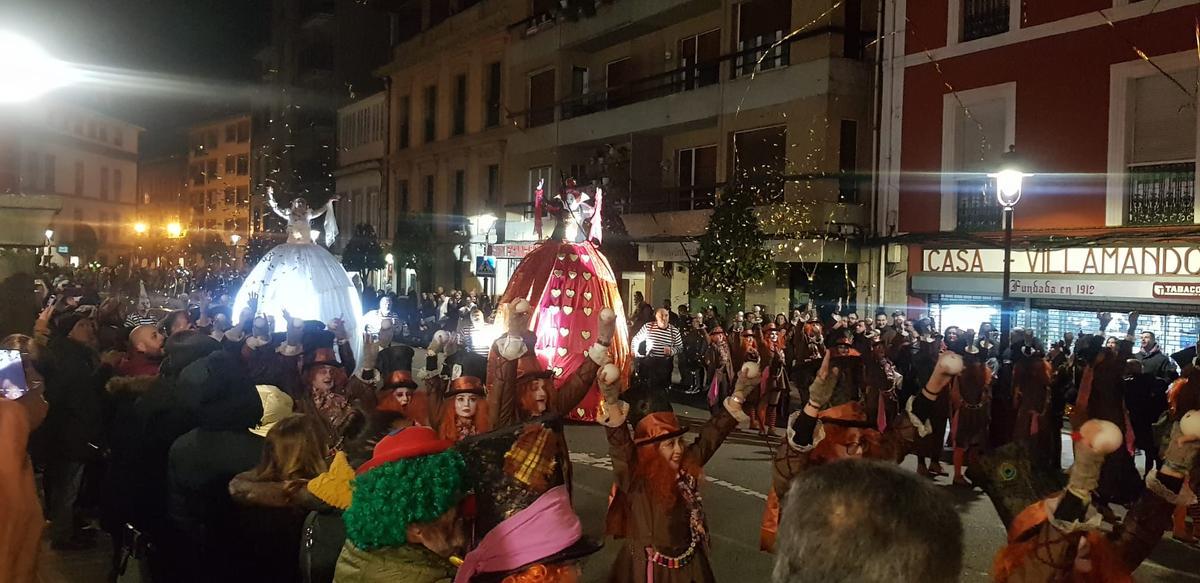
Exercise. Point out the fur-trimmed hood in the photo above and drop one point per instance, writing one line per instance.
(134, 386)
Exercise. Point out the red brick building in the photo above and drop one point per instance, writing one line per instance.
(1099, 98)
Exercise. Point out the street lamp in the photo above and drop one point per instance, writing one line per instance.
(140, 228)
(234, 238)
(1008, 191)
(174, 230)
(49, 235)
(27, 71)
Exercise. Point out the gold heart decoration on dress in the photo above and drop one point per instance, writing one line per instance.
(585, 258)
(574, 257)
(563, 332)
(562, 350)
(571, 294)
(586, 334)
(567, 310)
(557, 371)
(587, 295)
(587, 310)
(587, 276)
(557, 273)
(573, 274)
(555, 292)
(562, 256)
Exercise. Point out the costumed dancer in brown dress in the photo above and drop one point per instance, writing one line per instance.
(718, 363)
(657, 508)
(970, 398)
(1059, 538)
(807, 349)
(820, 433)
(774, 382)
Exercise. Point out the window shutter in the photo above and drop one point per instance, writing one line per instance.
(1164, 119)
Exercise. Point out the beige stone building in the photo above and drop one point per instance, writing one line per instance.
(669, 100)
(448, 130)
(218, 199)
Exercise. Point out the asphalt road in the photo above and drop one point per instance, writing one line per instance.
(738, 478)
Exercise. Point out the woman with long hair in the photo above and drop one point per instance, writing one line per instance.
(271, 518)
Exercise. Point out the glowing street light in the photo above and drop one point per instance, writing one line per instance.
(174, 230)
(390, 259)
(140, 228)
(49, 234)
(234, 238)
(1009, 180)
(27, 71)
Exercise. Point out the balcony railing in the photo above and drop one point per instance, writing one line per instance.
(982, 18)
(978, 209)
(1162, 194)
(764, 56)
(701, 197)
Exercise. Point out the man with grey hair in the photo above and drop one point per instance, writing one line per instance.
(866, 521)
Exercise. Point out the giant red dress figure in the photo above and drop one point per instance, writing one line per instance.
(568, 281)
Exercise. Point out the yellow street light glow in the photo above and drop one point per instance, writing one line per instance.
(27, 71)
(139, 228)
(174, 230)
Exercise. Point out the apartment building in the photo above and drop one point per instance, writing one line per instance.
(218, 195)
(84, 157)
(448, 130)
(667, 103)
(361, 176)
(164, 207)
(1105, 123)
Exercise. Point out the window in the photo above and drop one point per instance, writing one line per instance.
(103, 183)
(402, 129)
(243, 196)
(118, 180)
(210, 139)
(698, 56)
(243, 131)
(430, 132)
(1161, 166)
(78, 226)
(848, 161)
(385, 214)
(197, 174)
(537, 175)
(49, 164)
(210, 170)
(760, 25)
(230, 166)
(33, 168)
(460, 105)
(541, 99)
(230, 196)
(243, 164)
(229, 224)
(491, 115)
(982, 18)
(231, 133)
(102, 227)
(402, 192)
(79, 179)
(493, 183)
(980, 136)
(429, 194)
(697, 177)
(460, 192)
(619, 74)
(760, 162)
(210, 201)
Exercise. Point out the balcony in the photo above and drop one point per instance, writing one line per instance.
(591, 25)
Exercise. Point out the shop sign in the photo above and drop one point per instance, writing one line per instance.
(1053, 287)
(1176, 291)
(511, 250)
(1144, 261)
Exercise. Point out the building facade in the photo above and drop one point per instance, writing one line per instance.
(164, 207)
(447, 136)
(86, 158)
(218, 171)
(667, 104)
(1105, 123)
(361, 176)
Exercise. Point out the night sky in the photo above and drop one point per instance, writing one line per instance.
(208, 42)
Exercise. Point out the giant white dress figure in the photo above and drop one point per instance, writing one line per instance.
(303, 277)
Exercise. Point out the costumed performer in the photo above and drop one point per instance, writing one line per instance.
(568, 281)
(657, 508)
(301, 276)
(403, 522)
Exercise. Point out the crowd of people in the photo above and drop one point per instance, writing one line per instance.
(211, 448)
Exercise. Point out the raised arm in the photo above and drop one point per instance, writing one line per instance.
(275, 206)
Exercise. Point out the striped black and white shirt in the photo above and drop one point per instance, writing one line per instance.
(474, 342)
(657, 339)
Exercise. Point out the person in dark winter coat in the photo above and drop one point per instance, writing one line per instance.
(1154, 362)
(202, 462)
(135, 489)
(73, 433)
(1146, 400)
